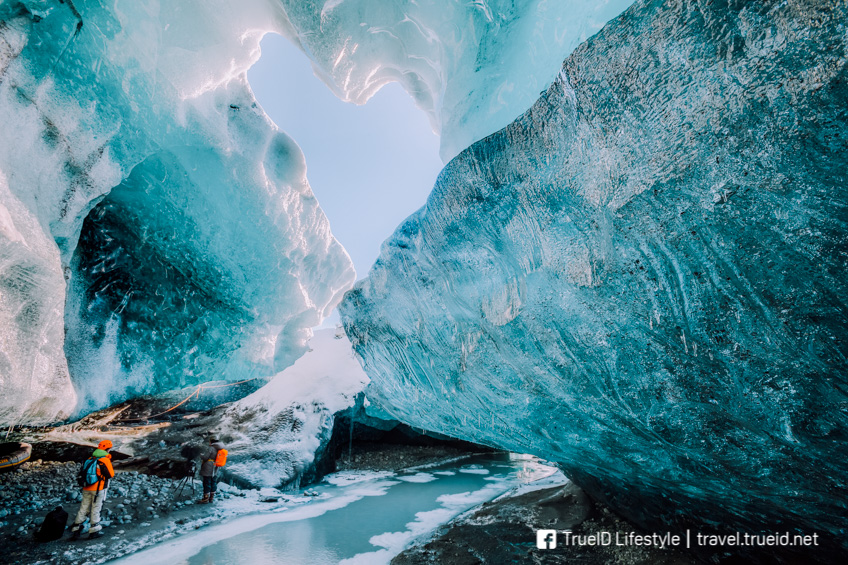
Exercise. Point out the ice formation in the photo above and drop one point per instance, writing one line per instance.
(643, 277)
(151, 212)
(275, 434)
(142, 183)
(472, 66)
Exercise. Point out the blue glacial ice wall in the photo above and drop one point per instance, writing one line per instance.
(156, 229)
(643, 277)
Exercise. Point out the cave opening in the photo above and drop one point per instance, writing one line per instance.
(370, 166)
(165, 286)
(148, 310)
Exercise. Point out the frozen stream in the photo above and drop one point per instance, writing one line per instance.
(357, 518)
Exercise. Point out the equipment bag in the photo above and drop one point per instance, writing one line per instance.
(53, 526)
(88, 473)
(221, 458)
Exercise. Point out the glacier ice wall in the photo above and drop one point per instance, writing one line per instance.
(117, 116)
(32, 362)
(643, 277)
(148, 207)
(472, 66)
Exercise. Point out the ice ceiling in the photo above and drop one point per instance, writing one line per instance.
(156, 229)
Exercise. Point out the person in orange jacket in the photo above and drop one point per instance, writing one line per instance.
(94, 479)
(209, 470)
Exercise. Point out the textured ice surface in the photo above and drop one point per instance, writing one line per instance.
(643, 278)
(160, 205)
(140, 177)
(274, 435)
(473, 66)
(32, 361)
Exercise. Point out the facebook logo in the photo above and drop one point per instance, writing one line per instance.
(546, 539)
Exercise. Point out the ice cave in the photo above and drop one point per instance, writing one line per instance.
(632, 266)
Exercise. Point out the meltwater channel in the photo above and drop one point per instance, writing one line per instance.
(356, 519)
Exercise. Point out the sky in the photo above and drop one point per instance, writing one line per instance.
(369, 166)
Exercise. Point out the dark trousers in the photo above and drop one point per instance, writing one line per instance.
(209, 484)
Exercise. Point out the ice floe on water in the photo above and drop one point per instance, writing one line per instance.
(425, 522)
(417, 478)
(344, 478)
(474, 470)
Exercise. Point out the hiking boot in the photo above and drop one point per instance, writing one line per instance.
(75, 534)
(205, 499)
(95, 535)
(211, 498)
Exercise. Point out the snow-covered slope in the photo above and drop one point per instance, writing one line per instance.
(274, 435)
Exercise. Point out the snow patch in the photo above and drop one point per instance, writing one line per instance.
(275, 433)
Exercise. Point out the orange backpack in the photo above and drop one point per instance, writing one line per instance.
(221, 458)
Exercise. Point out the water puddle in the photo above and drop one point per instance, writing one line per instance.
(356, 518)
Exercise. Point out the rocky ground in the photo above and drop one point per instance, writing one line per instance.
(148, 503)
(393, 457)
(137, 505)
(504, 531)
(143, 508)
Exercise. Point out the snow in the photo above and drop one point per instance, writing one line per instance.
(185, 546)
(344, 478)
(274, 434)
(473, 470)
(328, 373)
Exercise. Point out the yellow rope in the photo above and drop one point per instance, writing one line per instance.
(229, 384)
(196, 392)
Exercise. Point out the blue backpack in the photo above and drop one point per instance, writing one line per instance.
(88, 473)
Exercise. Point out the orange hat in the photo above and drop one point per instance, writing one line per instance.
(105, 444)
